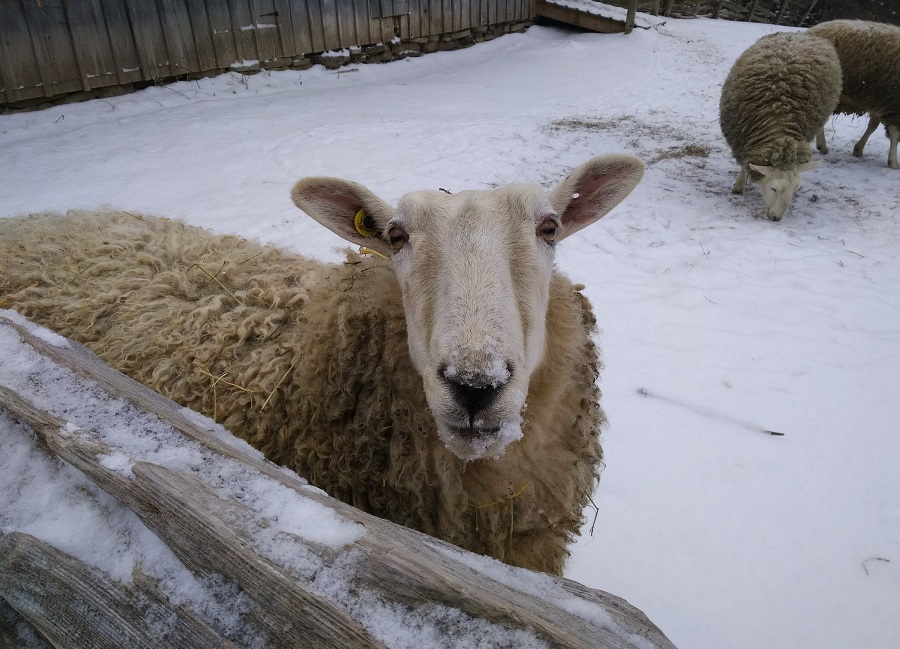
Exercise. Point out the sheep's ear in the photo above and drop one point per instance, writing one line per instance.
(809, 166)
(762, 169)
(593, 189)
(346, 208)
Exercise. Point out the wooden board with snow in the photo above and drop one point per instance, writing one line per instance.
(595, 16)
(139, 523)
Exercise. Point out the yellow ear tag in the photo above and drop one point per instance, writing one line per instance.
(364, 224)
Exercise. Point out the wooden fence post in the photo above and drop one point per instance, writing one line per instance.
(784, 4)
(630, 16)
(812, 5)
(752, 10)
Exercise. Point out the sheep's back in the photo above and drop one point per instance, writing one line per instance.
(305, 360)
(776, 96)
(870, 60)
(138, 289)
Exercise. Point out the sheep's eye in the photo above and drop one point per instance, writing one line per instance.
(397, 237)
(547, 230)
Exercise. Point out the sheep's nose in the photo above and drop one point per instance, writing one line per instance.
(473, 398)
(474, 393)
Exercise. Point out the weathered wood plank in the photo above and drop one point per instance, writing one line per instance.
(207, 533)
(300, 25)
(242, 30)
(316, 25)
(121, 40)
(479, 11)
(53, 48)
(526, 10)
(149, 41)
(20, 77)
(581, 19)
(287, 46)
(93, 55)
(460, 12)
(508, 10)
(75, 606)
(225, 44)
(812, 5)
(436, 19)
(16, 631)
(373, 30)
(630, 16)
(202, 36)
(396, 563)
(264, 22)
(330, 28)
(181, 53)
(361, 23)
(346, 23)
(415, 18)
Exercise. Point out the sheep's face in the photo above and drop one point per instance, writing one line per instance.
(474, 270)
(778, 187)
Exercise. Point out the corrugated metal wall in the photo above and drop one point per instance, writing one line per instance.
(52, 47)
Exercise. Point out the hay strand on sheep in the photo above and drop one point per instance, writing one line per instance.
(215, 279)
(280, 381)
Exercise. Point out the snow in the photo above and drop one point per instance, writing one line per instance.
(719, 327)
(42, 333)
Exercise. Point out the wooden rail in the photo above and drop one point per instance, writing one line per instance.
(62, 599)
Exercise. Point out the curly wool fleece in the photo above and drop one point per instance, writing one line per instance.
(312, 368)
(870, 60)
(776, 96)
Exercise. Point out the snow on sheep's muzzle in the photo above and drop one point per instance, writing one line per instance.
(479, 413)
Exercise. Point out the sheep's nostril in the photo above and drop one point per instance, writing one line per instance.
(474, 392)
(473, 398)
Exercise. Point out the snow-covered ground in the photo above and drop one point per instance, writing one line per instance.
(719, 327)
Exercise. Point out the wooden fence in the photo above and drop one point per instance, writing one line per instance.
(309, 592)
(50, 48)
(778, 12)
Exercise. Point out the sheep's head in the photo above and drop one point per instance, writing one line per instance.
(474, 270)
(778, 186)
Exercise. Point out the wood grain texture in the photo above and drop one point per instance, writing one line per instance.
(16, 631)
(76, 605)
(211, 533)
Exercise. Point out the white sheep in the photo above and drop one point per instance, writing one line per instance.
(777, 96)
(870, 59)
(451, 388)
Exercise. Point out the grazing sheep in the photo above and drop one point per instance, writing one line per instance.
(451, 388)
(870, 60)
(776, 97)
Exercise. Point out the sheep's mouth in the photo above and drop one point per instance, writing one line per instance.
(470, 433)
(471, 443)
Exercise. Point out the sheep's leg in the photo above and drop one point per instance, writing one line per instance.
(894, 134)
(821, 144)
(741, 183)
(874, 121)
